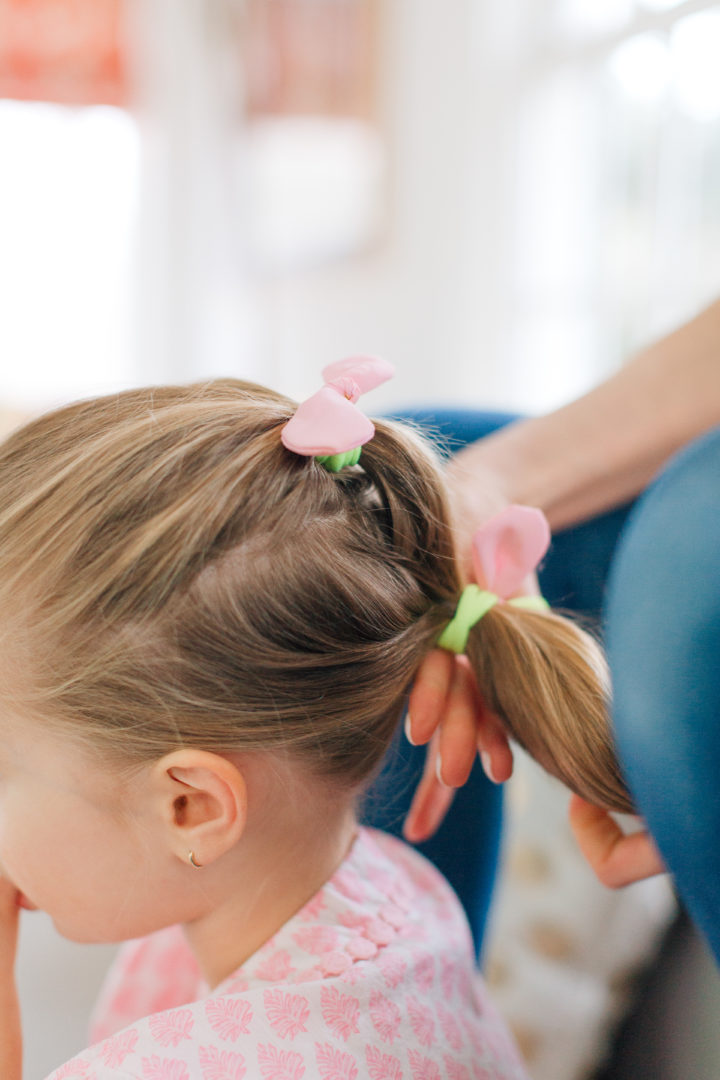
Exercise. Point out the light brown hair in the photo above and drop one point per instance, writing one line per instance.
(181, 579)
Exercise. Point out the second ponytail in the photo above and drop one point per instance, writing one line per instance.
(540, 673)
(547, 680)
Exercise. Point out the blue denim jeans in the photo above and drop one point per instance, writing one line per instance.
(662, 618)
(662, 603)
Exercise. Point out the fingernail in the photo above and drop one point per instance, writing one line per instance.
(487, 767)
(408, 831)
(438, 770)
(408, 734)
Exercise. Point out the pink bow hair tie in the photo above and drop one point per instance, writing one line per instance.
(508, 547)
(504, 551)
(330, 422)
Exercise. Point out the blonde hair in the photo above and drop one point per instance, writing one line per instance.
(181, 579)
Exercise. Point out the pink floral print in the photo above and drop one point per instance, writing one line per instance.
(77, 1069)
(340, 1012)
(170, 1028)
(334, 1064)
(280, 1064)
(423, 1022)
(393, 969)
(451, 1028)
(456, 1070)
(447, 977)
(385, 1016)
(156, 1068)
(221, 1064)
(115, 1050)
(382, 1066)
(373, 979)
(425, 972)
(287, 1013)
(277, 966)
(316, 939)
(423, 1068)
(229, 1017)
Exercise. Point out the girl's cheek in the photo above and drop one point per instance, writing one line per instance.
(15, 848)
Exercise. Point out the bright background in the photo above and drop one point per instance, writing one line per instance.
(504, 203)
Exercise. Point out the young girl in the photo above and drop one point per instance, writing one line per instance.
(208, 639)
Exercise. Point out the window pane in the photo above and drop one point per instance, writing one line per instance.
(642, 67)
(660, 5)
(589, 18)
(67, 197)
(316, 187)
(695, 47)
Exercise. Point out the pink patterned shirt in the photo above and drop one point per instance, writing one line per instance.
(374, 979)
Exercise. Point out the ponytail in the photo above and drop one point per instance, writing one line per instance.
(548, 682)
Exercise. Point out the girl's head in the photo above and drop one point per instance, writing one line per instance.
(180, 579)
(171, 577)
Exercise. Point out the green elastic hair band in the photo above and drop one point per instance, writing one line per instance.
(336, 462)
(473, 604)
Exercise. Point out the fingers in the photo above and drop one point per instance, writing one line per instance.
(616, 859)
(445, 707)
(428, 695)
(456, 750)
(493, 746)
(431, 800)
(444, 693)
(476, 493)
(464, 726)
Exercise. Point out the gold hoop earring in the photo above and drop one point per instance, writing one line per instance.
(191, 857)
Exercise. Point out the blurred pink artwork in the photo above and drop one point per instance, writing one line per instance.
(65, 51)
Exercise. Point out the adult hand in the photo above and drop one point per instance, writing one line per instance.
(616, 858)
(10, 1030)
(446, 711)
(476, 494)
(445, 708)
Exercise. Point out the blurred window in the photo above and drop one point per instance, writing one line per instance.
(618, 183)
(315, 153)
(311, 57)
(68, 51)
(68, 188)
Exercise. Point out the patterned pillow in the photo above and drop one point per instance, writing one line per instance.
(563, 951)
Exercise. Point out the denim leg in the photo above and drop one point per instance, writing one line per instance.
(663, 638)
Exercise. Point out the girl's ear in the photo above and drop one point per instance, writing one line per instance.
(202, 800)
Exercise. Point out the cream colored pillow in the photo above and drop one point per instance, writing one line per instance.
(563, 950)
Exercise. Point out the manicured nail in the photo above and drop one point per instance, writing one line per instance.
(438, 770)
(487, 767)
(408, 733)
